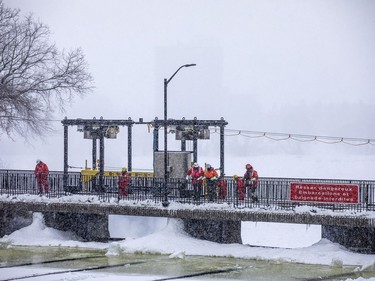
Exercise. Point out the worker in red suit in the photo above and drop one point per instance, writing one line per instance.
(41, 173)
(211, 180)
(222, 188)
(123, 183)
(251, 180)
(241, 189)
(196, 175)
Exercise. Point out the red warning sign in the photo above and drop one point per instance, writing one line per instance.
(324, 193)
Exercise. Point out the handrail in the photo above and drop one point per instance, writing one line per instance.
(271, 192)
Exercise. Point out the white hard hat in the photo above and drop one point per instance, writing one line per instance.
(38, 161)
(196, 165)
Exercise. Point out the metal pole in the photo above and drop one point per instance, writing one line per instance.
(130, 148)
(195, 145)
(222, 150)
(101, 157)
(65, 177)
(156, 138)
(183, 144)
(165, 202)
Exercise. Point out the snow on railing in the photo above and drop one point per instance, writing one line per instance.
(275, 192)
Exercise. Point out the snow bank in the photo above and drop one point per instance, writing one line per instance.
(38, 234)
(172, 240)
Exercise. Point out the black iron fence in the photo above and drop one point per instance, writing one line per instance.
(270, 192)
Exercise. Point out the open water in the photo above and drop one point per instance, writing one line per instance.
(51, 260)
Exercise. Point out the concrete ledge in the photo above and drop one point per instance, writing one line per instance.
(281, 216)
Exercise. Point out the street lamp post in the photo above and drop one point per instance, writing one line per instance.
(166, 82)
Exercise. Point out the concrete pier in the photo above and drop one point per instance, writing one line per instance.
(11, 221)
(220, 231)
(357, 239)
(90, 227)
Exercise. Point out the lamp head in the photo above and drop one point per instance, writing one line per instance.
(188, 65)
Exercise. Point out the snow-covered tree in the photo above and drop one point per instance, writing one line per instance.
(35, 77)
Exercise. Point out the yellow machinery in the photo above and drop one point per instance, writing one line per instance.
(87, 175)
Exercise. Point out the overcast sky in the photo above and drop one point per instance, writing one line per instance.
(304, 67)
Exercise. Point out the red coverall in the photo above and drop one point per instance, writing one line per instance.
(251, 180)
(222, 187)
(123, 184)
(197, 175)
(241, 189)
(41, 172)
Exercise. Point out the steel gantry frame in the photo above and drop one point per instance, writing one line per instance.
(101, 125)
(196, 125)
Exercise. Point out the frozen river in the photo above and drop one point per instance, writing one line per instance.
(163, 251)
(68, 264)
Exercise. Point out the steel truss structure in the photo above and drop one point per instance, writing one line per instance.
(99, 129)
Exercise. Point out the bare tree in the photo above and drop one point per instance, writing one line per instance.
(35, 78)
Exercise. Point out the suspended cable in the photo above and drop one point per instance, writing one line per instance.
(277, 139)
(328, 142)
(356, 144)
(256, 134)
(300, 138)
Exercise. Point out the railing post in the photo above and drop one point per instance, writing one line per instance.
(94, 149)
(7, 180)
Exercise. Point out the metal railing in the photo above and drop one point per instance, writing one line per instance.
(271, 192)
